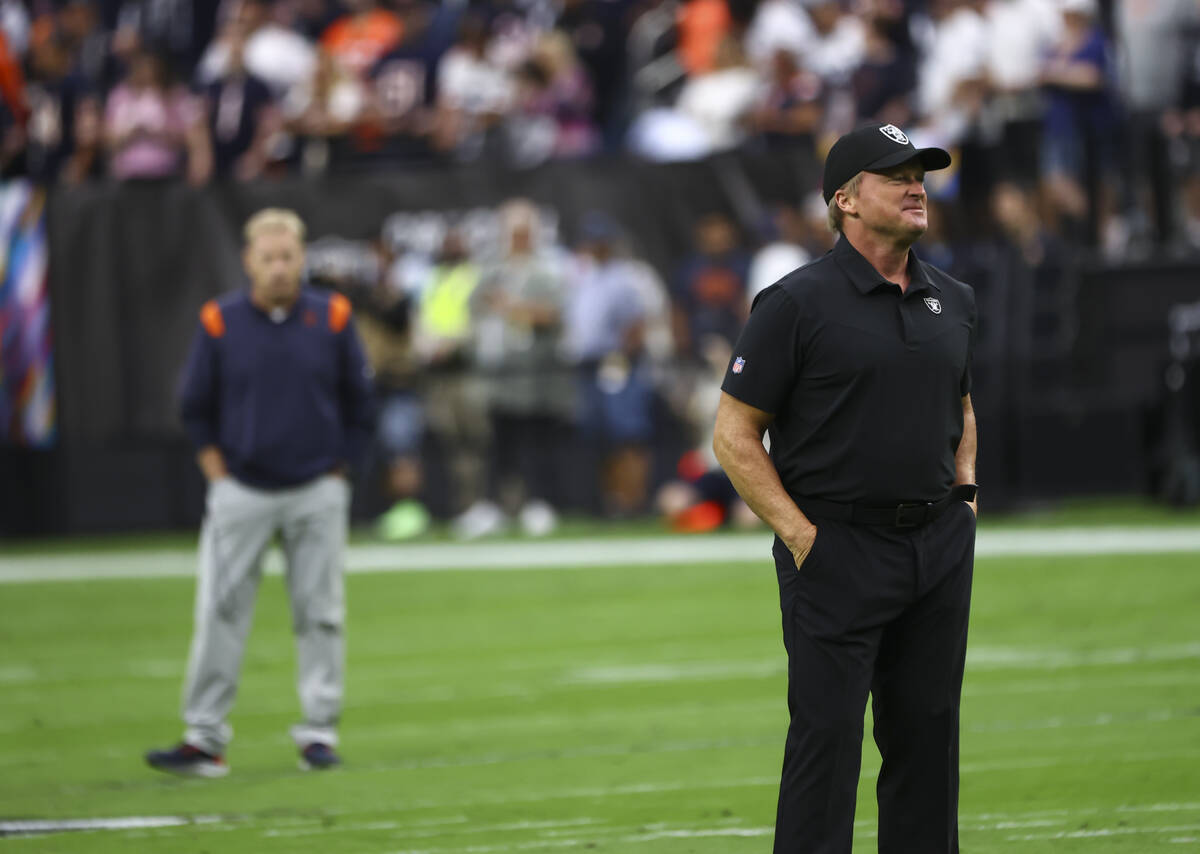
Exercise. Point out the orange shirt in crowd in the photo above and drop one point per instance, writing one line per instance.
(12, 83)
(358, 41)
(702, 25)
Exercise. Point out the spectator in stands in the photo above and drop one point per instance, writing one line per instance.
(403, 86)
(604, 339)
(153, 128)
(1019, 35)
(515, 26)
(778, 25)
(279, 57)
(952, 72)
(1152, 38)
(710, 291)
(839, 42)
(590, 64)
(14, 107)
(455, 397)
(473, 93)
(702, 25)
(883, 85)
(242, 117)
(530, 390)
(64, 120)
(360, 38)
(552, 106)
(791, 106)
(1079, 161)
(321, 112)
(713, 112)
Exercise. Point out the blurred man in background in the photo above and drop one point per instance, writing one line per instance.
(604, 336)
(276, 398)
(530, 392)
(455, 395)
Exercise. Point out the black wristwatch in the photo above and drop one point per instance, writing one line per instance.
(967, 491)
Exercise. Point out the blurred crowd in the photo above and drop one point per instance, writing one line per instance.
(526, 366)
(1074, 124)
(1094, 108)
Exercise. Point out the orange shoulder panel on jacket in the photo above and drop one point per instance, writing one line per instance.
(339, 312)
(211, 319)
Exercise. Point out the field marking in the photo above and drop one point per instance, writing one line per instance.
(33, 827)
(1101, 832)
(979, 658)
(554, 831)
(583, 553)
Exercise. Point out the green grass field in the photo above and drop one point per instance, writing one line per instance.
(626, 708)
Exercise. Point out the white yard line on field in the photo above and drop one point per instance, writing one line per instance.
(979, 658)
(30, 827)
(579, 554)
(558, 832)
(1101, 832)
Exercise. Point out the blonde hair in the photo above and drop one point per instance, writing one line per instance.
(517, 213)
(274, 219)
(835, 215)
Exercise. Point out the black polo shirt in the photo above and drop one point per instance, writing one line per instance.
(865, 382)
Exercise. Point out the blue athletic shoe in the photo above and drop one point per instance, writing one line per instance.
(187, 761)
(318, 757)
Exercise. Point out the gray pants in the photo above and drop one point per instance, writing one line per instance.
(239, 524)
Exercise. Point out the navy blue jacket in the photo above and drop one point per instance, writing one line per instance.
(285, 402)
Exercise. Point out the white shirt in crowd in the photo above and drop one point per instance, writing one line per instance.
(466, 82)
(956, 50)
(1019, 35)
(837, 54)
(718, 100)
(1151, 40)
(279, 57)
(779, 25)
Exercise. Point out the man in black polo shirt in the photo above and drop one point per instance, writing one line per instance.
(858, 367)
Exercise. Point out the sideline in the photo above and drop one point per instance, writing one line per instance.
(583, 553)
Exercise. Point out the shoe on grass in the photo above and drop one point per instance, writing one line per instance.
(187, 761)
(318, 757)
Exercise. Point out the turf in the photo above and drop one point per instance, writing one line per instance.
(621, 709)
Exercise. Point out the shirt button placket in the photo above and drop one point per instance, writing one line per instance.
(904, 306)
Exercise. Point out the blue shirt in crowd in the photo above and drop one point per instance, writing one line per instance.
(285, 400)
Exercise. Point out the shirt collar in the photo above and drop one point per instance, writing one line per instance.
(866, 278)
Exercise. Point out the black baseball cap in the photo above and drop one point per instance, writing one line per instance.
(872, 148)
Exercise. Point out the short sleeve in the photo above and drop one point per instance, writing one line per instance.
(766, 358)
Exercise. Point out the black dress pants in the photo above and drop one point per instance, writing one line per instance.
(882, 611)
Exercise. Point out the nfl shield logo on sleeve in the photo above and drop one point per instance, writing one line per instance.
(738, 364)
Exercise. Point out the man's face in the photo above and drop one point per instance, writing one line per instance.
(891, 203)
(275, 262)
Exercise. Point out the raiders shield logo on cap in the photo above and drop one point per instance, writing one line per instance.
(894, 133)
